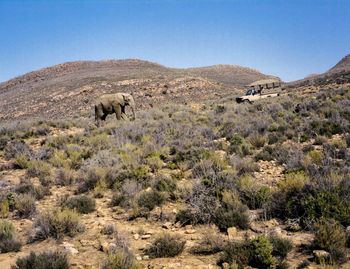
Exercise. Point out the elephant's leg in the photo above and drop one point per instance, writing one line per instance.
(98, 115)
(118, 111)
(123, 115)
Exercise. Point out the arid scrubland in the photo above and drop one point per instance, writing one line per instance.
(218, 185)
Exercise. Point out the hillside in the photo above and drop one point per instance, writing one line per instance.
(69, 89)
(339, 74)
(182, 187)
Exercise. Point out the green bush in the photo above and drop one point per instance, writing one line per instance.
(210, 244)
(235, 253)
(89, 180)
(64, 177)
(150, 199)
(165, 245)
(40, 169)
(45, 260)
(231, 213)
(262, 252)
(25, 205)
(4, 208)
(266, 154)
(119, 199)
(281, 246)
(37, 191)
(82, 203)
(251, 193)
(257, 140)
(165, 184)
(122, 259)
(8, 237)
(256, 253)
(330, 236)
(57, 223)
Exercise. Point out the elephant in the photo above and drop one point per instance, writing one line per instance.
(113, 103)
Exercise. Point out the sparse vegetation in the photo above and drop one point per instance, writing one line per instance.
(122, 259)
(82, 203)
(47, 260)
(8, 237)
(57, 223)
(201, 167)
(165, 245)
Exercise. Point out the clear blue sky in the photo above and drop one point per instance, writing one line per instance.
(290, 39)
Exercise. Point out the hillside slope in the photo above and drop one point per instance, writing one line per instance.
(69, 89)
(339, 74)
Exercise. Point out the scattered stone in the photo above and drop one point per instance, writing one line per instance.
(112, 247)
(146, 257)
(190, 231)
(232, 232)
(138, 257)
(271, 223)
(348, 230)
(145, 236)
(178, 224)
(167, 225)
(221, 154)
(225, 265)
(321, 255)
(277, 231)
(69, 248)
(99, 214)
(136, 236)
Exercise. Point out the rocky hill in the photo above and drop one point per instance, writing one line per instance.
(69, 89)
(339, 74)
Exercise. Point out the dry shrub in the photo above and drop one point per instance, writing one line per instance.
(165, 245)
(8, 237)
(57, 223)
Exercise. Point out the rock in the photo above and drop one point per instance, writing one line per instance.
(225, 265)
(99, 214)
(178, 224)
(145, 236)
(190, 244)
(271, 223)
(112, 247)
(167, 225)
(69, 248)
(277, 231)
(348, 230)
(321, 255)
(232, 232)
(138, 258)
(146, 257)
(190, 231)
(104, 247)
(221, 154)
(136, 236)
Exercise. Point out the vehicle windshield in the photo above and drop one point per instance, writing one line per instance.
(250, 92)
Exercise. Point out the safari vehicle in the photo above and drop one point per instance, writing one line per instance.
(255, 89)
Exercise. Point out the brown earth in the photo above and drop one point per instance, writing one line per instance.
(69, 89)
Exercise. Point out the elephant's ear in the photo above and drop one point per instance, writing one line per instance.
(126, 98)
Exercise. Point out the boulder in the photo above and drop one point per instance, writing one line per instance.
(232, 233)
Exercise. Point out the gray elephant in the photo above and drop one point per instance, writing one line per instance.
(113, 103)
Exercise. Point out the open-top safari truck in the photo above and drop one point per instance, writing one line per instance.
(255, 89)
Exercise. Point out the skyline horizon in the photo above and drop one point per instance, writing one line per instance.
(288, 39)
(171, 67)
